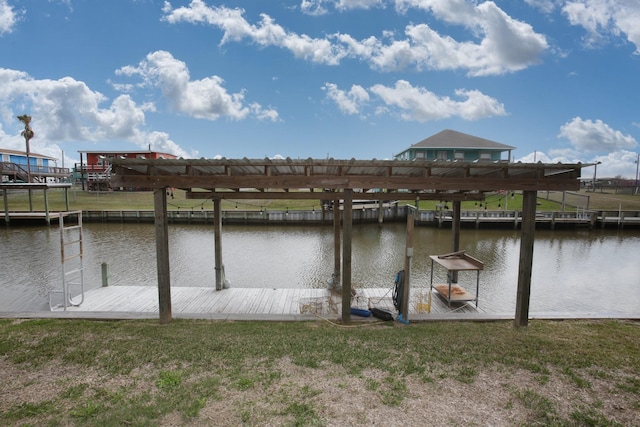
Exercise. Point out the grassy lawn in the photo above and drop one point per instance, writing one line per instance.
(141, 373)
(82, 200)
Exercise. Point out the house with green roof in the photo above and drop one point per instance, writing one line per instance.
(450, 145)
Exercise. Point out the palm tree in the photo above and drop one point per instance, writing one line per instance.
(27, 133)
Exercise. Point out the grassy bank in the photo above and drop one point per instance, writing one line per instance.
(118, 200)
(572, 373)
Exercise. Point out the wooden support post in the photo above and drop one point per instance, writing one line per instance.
(527, 231)
(162, 254)
(347, 219)
(105, 274)
(5, 198)
(336, 241)
(46, 207)
(217, 236)
(66, 198)
(380, 211)
(455, 235)
(407, 265)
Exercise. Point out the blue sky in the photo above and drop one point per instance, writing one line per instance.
(558, 79)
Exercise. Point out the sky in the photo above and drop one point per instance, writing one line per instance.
(342, 79)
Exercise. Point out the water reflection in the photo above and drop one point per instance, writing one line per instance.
(572, 270)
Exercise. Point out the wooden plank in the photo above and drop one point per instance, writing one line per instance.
(162, 254)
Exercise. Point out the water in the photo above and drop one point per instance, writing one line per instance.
(595, 271)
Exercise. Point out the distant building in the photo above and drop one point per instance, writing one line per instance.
(94, 170)
(450, 145)
(41, 168)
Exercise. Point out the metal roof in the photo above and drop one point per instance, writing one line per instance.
(260, 178)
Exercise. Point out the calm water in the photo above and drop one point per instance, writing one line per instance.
(596, 271)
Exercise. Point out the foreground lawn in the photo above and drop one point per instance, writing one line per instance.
(139, 373)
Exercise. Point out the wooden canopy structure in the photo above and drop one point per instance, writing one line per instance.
(340, 181)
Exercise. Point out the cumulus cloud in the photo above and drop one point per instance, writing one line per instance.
(203, 99)
(504, 45)
(602, 18)
(68, 110)
(349, 102)
(8, 17)
(595, 136)
(419, 104)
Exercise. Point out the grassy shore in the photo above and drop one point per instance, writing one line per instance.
(141, 373)
(119, 200)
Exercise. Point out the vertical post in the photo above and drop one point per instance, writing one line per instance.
(347, 219)
(336, 241)
(526, 257)
(162, 254)
(5, 198)
(407, 266)
(66, 198)
(217, 233)
(46, 207)
(380, 211)
(105, 274)
(455, 234)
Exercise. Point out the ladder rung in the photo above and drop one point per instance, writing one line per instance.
(72, 257)
(72, 242)
(74, 284)
(77, 270)
(71, 227)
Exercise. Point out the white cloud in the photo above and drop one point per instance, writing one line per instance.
(68, 110)
(595, 136)
(203, 99)
(420, 104)
(8, 17)
(505, 45)
(348, 102)
(546, 6)
(604, 18)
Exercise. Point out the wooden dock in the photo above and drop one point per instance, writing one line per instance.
(250, 303)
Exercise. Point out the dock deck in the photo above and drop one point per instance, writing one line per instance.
(249, 303)
(281, 304)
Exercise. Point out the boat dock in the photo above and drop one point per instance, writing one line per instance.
(282, 304)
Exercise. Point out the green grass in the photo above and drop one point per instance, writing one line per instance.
(148, 371)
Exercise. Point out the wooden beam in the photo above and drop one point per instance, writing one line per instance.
(526, 258)
(434, 182)
(217, 236)
(162, 254)
(407, 266)
(455, 235)
(317, 195)
(347, 219)
(336, 240)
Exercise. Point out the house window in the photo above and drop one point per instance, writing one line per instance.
(442, 155)
(458, 155)
(420, 155)
(485, 156)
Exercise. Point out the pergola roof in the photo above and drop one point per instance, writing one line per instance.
(404, 179)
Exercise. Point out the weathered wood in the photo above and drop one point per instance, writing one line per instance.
(336, 240)
(455, 235)
(217, 236)
(162, 254)
(407, 266)
(347, 219)
(526, 258)
(558, 183)
(308, 194)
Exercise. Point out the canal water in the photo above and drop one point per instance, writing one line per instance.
(595, 271)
